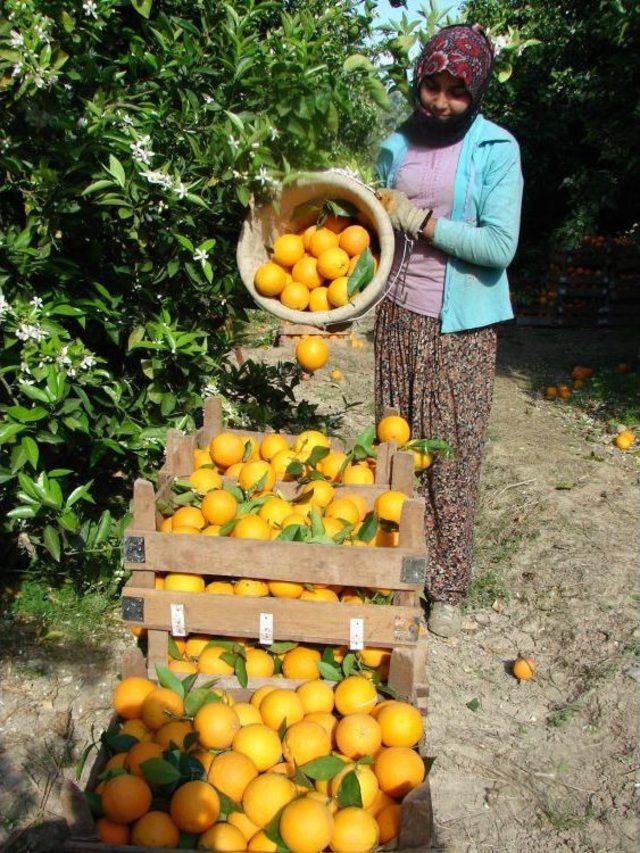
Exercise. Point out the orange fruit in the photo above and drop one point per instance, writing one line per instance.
(205, 479)
(211, 530)
(271, 444)
(223, 837)
(328, 722)
(210, 662)
(319, 299)
(389, 822)
(259, 664)
(137, 729)
(174, 732)
(274, 511)
(354, 695)
(358, 500)
(394, 428)
(285, 589)
(294, 518)
(231, 772)
(251, 527)
(194, 645)
(319, 593)
(321, 241)
(281, 461)
(242, 822)
(216, 724)
(306, 825)
(226, 449)
(422, 461)
(265, 796)
(117, 760)
(219, 506)
(304, 741)
(295, 296)
(564, 392)
(288, 249)
(129, 696)
(316, 697)
(270, 279)
(195, 807)
(354, 240)
(280, 705)
(201, 457)
(343, 509)
(366, 779)
(358, 475)
(306, 273)
(319, 493)
(625, 439)
(219, 588)
(184, 583)
(524, 668)
(307, 235)
(401, 724)
(155, 829)
(354, 831)
(247, 713)
(259, 743)
(381, 801)
(358, 735)
(338, 291)
(386, 539)
(251, 588)
(301, 663)
(388, 505)
(333, 263)
(260, 693)
(312, 353)
(261, 841)
(112, 833)
(398, 769)
(166, 525)
(336, 223)
(125, 798)
(330, 466)
(257, 476)
(160, 706)
(234, 470)
(373, 657)
(184, 666)
(188, 516)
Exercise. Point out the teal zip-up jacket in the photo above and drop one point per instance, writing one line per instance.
(481, 236)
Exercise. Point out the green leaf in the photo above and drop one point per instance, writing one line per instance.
(31, 450)
(282, 647)
(504, 73)
(25, 416)
(68, 24)
(272, 831)
(120, 743)
(474, 704)
(158, 771)
(357, 60)
(378, 92)
(350, 664)
(362, 274)
(240, 669)
(349, 792)
(142, 7)
(173, 650)
(317, 454)
(294, 468)
(369, 528)
(227, 805)
(51, 539)
(197, 698)
(324, 768)
(169, 680)
(9, 431)
(94, 801)
(329, 671)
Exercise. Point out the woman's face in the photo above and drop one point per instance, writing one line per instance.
(444, 95)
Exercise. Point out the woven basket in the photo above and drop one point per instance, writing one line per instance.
(263, 224)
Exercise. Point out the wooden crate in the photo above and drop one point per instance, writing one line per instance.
(416, 826)
(399, 626)
(393, 468)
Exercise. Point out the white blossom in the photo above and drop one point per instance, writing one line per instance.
(200, 255)
(274, 133)
(155, 177)
(127, 120)
(17, 69)
(233, 142)
(24, 367)
(207, 99)
(180, 188)
(36, 302)
(17, 39)
(263, 177)
(87, 363)
(71, 372)
(5, 308)
(26, 331)
(141, 150)
(90, 8)
(500, 43)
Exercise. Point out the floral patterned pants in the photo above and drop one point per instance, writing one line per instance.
(442, 384)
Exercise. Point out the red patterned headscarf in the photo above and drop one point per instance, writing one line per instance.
(464, 50)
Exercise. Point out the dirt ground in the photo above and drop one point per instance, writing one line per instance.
(547, 765)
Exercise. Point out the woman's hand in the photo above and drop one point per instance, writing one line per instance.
(404, 214)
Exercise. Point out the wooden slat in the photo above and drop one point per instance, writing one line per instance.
(211, 419)
(288, 561)
(300, 621)
(144, 505)
(402, 472)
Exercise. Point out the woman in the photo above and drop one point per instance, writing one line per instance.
(457, 192)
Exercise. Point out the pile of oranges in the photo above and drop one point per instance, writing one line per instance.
(312, 769)
(215, 656)
(309, 270)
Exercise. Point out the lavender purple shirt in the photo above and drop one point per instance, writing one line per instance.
(427, 177)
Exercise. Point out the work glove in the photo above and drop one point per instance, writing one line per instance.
(404, 215)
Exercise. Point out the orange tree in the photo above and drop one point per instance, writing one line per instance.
(135, 134)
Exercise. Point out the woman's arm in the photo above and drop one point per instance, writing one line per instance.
(493, 241)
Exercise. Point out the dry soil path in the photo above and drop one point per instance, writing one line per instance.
(545, 766)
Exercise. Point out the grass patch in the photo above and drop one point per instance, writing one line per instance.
(65, 612)
(611, 396)
(486, 588)
(259, 329)
(559, 718)
(566, 819)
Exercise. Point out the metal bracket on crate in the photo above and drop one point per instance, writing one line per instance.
(132, 609)
(134, 551)
(406, 629)
(414, 570)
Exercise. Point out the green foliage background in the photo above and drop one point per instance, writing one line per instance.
(134, 135)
